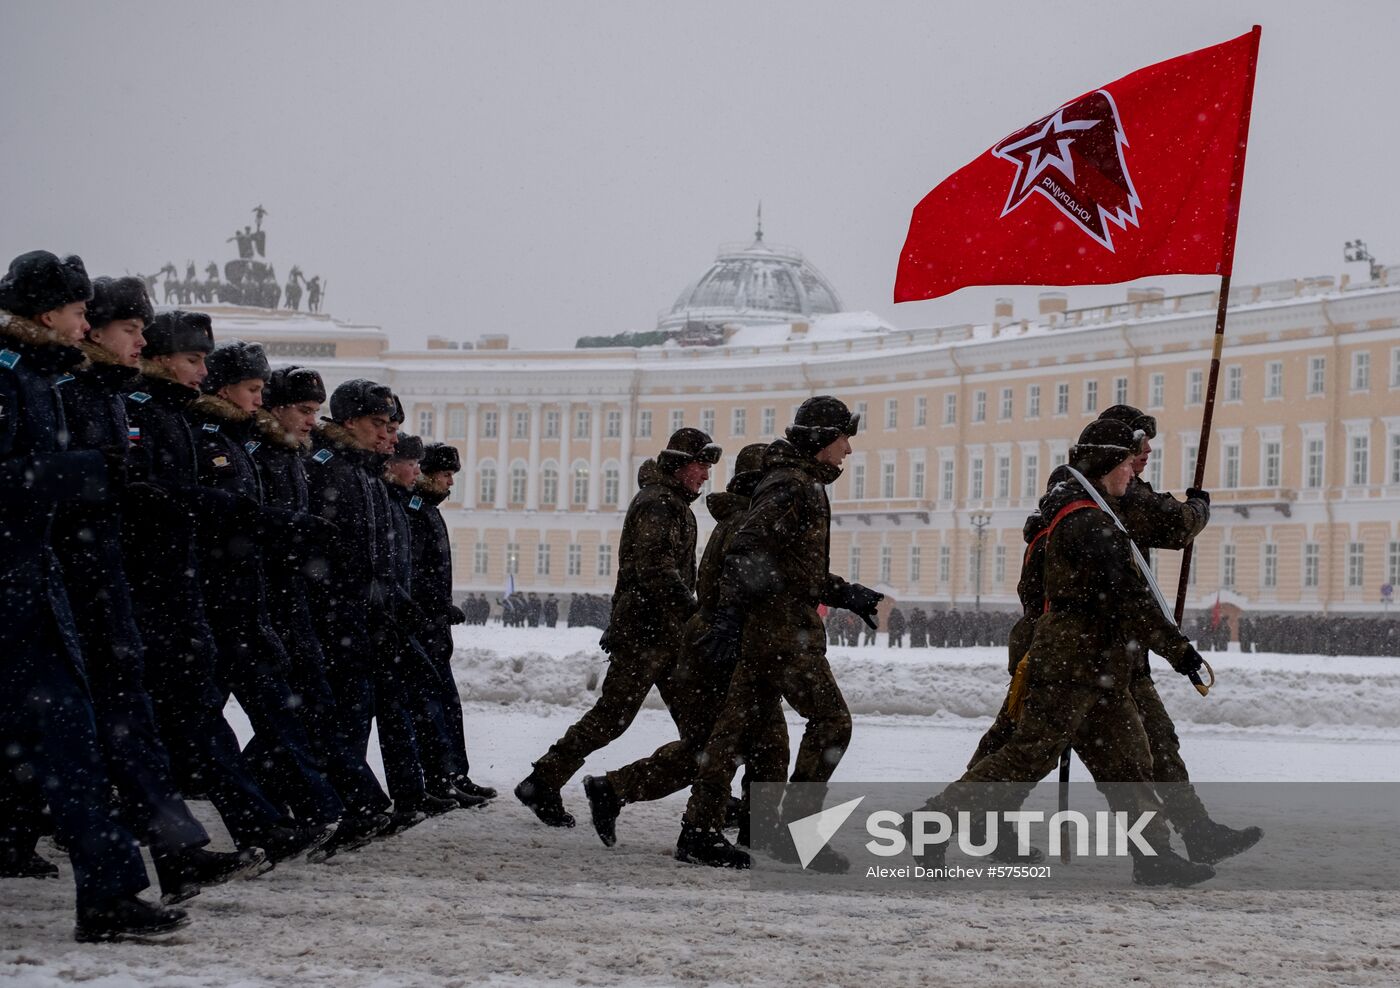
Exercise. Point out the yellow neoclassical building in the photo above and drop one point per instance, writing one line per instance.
(964, 425)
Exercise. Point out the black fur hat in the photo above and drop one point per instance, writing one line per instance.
(441, 456)
(359, 397)
(398, 414)
(178, 331)
(819, 422)
(407, 447)
(686, 446)
(290, 385)
(39, 282)
(233, 361)
(119, 298)
(1103, 445)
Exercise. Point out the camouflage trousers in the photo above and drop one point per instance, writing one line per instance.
(1105, 731)
(764, 678)
(1180, 803)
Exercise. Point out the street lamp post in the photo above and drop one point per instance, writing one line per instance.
(979, 521)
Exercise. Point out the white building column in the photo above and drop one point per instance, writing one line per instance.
(439, 421)
(595, 452)
(502, 453)
(624, 482)
(472, 481)
(566, 468)
(532, 479)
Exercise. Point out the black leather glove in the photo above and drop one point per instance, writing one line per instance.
(862, 602)
(1196, 492)
(718, 645)
(1189, 662)
(455, 615)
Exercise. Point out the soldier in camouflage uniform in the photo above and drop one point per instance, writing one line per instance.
(775, 574)
(655, 598)
(695, 689)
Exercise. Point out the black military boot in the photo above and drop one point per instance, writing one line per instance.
(733, 813)
(603, 805)
(456, 794)
(282, 843)
(1166, 867)
(127, 918)
(1208, 842)
(352, 833)
(544, 801)
(472, 789)
(183, 873)
(26, 864)
(411, 812)
(709, 847)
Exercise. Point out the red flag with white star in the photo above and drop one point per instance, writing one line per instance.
(1139, 177)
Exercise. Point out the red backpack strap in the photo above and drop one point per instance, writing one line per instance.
(1044, 533)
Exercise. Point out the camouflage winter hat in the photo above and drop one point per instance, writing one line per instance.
(819, 422)
(1134, 418)
(1103, 445)
(687, 446)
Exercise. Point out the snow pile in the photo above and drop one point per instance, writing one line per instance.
(1336, 697)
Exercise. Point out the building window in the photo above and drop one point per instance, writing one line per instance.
(1004, 412)
(1154, 472)
(1120, 390)
(613, 427)
(886, 563)
(999, 566)
(891, 413)
(542, 559)
(1273, 379)
(1227, 567)
(979, 406)
(1361, 371)
(858, 481)
(916, 564)
(551, 423)
(887, 480)
(1062, 398)
(479, 559)
(605, 560)
(1269, 566)
(580, 483)
(1030, 471)
(512, 558)
(1273, 463)
(945, 564)
(739, 423)
(1313, 454)
(1395, 457)
(916, 484)
(1091, 396)
(1395, 367)
(549, 484)
(1156, 390)
(522, 426)
(1356, 565)
(1234, 383)
(490, 423)
(425, 424)
(1392, 564)
(1058, 458)
(1194, 387)
(583, 424)
(1188, 465)
(707, 421)
(611, 481)
(770, 421)
(486, 483)
(1003, 476)
(456, 423)
(1317, 375)
(1312, 558)
(855, 563)
(1033, 401)
(950, 409)
(975, 483)
(1230, 467)
(949, 470)
(921, 409)
(863, 410)
(1360, 459)
(644, 424)
(575, 559)
(677, 419)
(518, 477)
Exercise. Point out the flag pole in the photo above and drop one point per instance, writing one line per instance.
(1227, 263)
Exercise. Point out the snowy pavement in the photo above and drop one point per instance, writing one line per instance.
(491, 896)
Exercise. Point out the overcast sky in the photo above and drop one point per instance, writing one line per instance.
(558, 169)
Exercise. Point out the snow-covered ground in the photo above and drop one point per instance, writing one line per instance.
(491, 896)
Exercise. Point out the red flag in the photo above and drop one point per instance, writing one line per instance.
(1215, 614)
(1140, 177)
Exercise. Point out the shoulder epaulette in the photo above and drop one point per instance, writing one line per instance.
(322, 455)
(211, 427)
(140, 397)
(8, 358)
(250, 446)
(415, 502)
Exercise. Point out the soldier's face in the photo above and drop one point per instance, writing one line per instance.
(1140, 461)
(834, 454)
(246, 395)
(1116, 481)
(68, 323)
(187, 368)
(402, 472)
(123, 339)
(391, 435)
(439, 481)
(298, 419)
(370, 431)
(693, 475)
